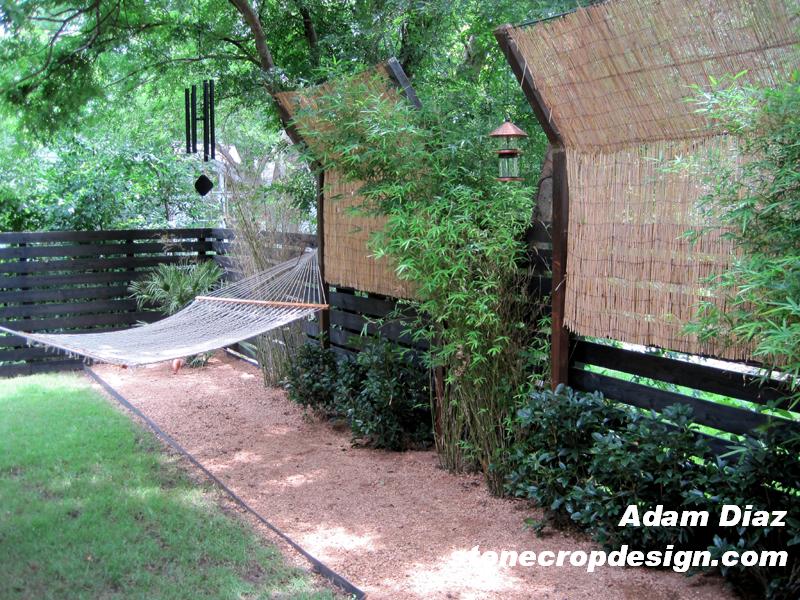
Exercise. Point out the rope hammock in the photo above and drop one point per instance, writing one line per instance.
(254, 305)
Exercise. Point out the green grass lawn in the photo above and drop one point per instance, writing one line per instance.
(90, 507)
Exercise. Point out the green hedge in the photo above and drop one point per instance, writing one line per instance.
(384, 397)
(586, 459)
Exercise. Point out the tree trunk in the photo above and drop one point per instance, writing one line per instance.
(254, 23)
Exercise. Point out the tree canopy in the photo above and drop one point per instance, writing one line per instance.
(95, 86)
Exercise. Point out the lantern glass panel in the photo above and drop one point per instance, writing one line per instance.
(509, 165)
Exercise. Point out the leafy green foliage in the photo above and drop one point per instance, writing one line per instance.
(312, 378)
(86, 184)
(385, 398)
(64, 58)
(766, 475)
(759, 202)
(586, 459)
(102, 177)
(554, 429)
(109, 78)
(455, 232)
(171, 287)
(349, 381)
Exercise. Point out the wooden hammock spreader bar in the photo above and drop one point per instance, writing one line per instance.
(263, 302)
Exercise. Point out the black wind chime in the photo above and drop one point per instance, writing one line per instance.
(203, 185)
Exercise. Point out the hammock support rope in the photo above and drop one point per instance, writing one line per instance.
(249, 307)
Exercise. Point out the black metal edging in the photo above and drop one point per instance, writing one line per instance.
(318, 565)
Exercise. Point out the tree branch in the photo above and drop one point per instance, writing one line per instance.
(254, 23)
(242, 46)
(310, 33)
(155, 66)
(94, 37)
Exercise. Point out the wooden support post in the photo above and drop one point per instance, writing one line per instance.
(24, 273)
(559, 350)
(559, 346)
(324, 315)
(396, 72)
(201, 253)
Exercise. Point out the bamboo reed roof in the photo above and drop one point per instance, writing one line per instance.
(615, 78)
(619, 73)
(348, 261)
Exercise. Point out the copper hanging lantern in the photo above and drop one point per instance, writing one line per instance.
(508, 155)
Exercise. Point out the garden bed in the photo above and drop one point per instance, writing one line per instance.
(394, 524)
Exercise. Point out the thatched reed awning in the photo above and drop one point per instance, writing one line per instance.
(347, 230)
(613, 81)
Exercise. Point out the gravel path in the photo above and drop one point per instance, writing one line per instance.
(394, 524)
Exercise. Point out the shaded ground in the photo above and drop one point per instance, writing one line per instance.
(396, 525)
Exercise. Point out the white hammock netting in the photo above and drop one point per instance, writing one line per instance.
(270, 299)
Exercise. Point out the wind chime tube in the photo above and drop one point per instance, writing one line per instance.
(194, 119)
(211, 118)
(187, 117)
(205, 121)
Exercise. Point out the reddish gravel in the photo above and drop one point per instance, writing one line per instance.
(394, 524)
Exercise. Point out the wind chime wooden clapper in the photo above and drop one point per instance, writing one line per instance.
(203, 185)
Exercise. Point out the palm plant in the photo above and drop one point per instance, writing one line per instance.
(171, 287)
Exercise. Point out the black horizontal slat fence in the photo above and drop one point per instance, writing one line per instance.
(726, 397)
(274, 247)
(77, 281)
(353, 313)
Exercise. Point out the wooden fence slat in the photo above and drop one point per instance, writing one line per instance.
(692, 375)
(717, 446)
(719, 416)
(345, 339)
(343, 353)
(311, 328)
(83, 321)
(83, 264)
(69, 308)
(105, 235)
(26, 353)
(12, 341)
(49, 366)
(16, 342)
(374, 307)
(50, 281)
(392, 330)
(106, 250)
(64, 294)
